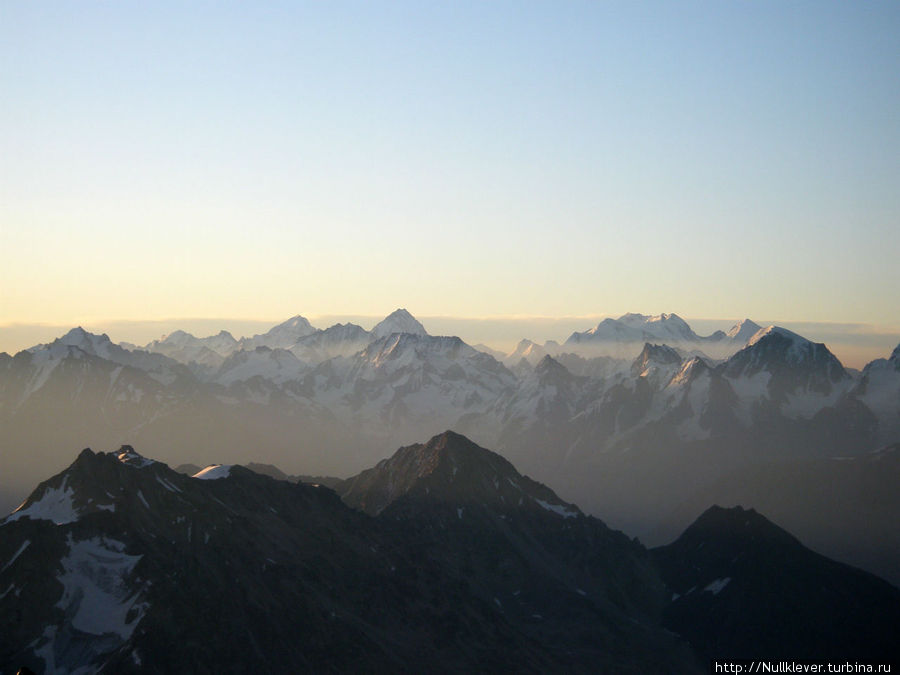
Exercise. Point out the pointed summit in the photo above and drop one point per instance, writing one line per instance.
(95, 345)
(655, 354)
(734, 574)
(283, 336)
(742, 332)
(79, 336)
(735, 526)
(450, 469)
(795, 361)
(398, 321)
(528, 350)
(550, 367)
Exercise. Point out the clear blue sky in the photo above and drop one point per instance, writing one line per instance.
(258, 160)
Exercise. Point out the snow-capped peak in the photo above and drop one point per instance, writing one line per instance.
(656, 363)
(690, 370)
(663, 328)
(96, 345)
(797, 362)
(743, 330)
(79, 337)
(776, 330)
(177, 338)
(528, 350)
(282, 336)
(296, 325)
(633, 319)
(398, 321)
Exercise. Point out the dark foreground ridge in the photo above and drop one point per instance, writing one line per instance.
(744, 588)
(120, 564)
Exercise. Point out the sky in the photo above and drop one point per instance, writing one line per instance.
(472, 160)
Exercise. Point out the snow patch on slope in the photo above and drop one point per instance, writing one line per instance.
(55, 505)
(128, 456)
(715, 587)
(749, 390)
(95, 593)
(560, 509)
(214, 472)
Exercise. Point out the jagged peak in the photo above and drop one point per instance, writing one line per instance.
(80, 340)
(79, 337)
(672, 317)
(660, 353)
(691, 369)
(395, 344)
(344, 329)
(549, 365)
(895, 356)
(127, 455)
(653, 354)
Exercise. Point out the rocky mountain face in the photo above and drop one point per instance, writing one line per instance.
(120, 564)
(185, 348)
(780, 397)
(627, 439)
(879, 391)
(744, 588)
(452, 561)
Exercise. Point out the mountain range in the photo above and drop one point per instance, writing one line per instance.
(442, 557)
(634, 440)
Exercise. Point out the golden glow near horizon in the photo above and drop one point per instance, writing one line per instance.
(257, 162)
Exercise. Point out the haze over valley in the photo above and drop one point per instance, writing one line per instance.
(639, 420)
(448, 337)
